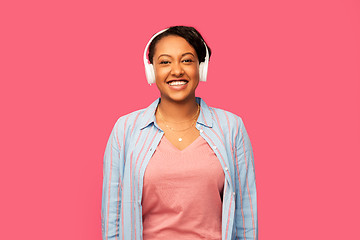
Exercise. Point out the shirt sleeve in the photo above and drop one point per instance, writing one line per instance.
(112, 187)
(246, 202)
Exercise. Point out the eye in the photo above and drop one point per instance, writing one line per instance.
(164, 62)
(188, 60)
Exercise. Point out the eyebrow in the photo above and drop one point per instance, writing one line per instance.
(181, 55)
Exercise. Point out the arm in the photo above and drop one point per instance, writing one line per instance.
(111, 193)
(246, 202)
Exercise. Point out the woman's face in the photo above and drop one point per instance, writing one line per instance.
(176, 68)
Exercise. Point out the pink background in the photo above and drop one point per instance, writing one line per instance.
(290, 69)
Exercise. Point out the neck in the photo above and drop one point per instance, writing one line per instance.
(178, 111)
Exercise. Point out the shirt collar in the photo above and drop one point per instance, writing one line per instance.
(205, 118)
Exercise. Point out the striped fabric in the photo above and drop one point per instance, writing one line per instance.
(133, 141)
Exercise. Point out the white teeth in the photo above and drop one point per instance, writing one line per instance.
(177, 83)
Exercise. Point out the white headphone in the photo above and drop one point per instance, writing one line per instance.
(149, 68)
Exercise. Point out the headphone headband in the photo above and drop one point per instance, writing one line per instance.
(149, 68)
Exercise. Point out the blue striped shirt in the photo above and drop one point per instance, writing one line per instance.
(133, 141)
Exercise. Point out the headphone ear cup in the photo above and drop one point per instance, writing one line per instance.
(150, 73)
(201, 67)
(202, 72)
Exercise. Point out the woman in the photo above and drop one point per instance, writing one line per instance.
(179, 169)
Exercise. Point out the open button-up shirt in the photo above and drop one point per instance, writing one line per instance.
(133, 141)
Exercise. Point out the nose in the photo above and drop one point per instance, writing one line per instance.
(176, 69)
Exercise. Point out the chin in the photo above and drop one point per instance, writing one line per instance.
(178, 97)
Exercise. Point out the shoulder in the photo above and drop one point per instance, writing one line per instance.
(226, 119)
(220, 118)
(128, 121)
(130, 124)
(229, 124)
(123, 128)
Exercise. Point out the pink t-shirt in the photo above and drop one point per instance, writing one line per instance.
(182, 194)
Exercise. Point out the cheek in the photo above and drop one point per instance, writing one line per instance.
(194, 72)
(161, 72)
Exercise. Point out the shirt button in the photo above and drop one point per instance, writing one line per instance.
(201, 131)
(150, 149)
(214, 147)
(226, 169)
(234, 193)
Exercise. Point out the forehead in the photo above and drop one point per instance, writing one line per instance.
(173, 45)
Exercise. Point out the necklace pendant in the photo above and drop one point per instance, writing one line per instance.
(180, 139)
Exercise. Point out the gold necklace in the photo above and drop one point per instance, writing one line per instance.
(192, 118)
(181, 130)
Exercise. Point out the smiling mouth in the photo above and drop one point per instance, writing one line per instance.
(177, 82)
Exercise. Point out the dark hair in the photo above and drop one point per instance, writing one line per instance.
(190, 34)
